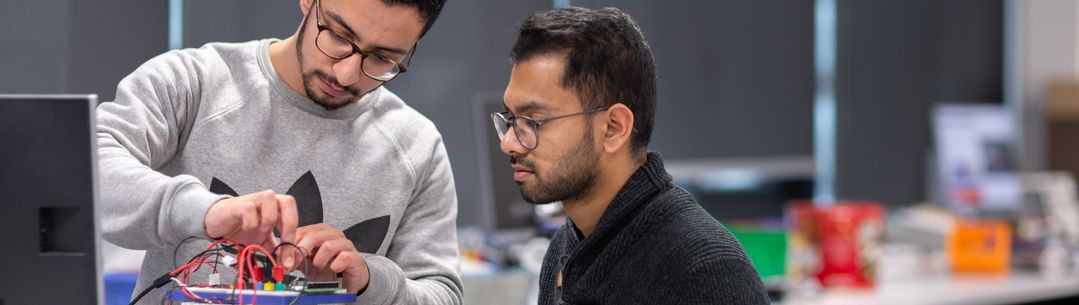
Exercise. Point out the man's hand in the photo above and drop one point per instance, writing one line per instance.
(250, 219)
(332, 253)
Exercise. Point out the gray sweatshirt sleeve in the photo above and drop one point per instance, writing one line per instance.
(137, 133)
(421, 266)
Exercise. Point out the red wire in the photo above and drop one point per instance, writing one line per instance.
(240, 275)
(253, 298)
(197, 263)
(245, 263)
(211, 246)
(191, 296)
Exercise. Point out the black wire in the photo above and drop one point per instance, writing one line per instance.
(177, 249)
(175, 264)
(201, 254)
(160, 281)
(165, 296)
(167, 277)
(306, 267)
(141, 294)
(209, 252)
(224, 246)
(307, 260)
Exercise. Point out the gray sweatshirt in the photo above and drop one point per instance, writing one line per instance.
(193, 126)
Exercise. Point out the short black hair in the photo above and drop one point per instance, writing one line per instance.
(607, 60)
(428, 9)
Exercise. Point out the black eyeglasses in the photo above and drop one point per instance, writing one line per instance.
(335, 45)
(529, 136)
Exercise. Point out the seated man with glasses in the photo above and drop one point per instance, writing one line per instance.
(579, 115)
(294, 140)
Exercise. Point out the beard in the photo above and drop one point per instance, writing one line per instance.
(570, 179)
(311, 80)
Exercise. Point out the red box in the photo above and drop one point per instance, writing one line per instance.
(837, 244)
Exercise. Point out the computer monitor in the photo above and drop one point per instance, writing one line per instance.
(976, 163)
(740, 189)
(505, 212)
(48, 182)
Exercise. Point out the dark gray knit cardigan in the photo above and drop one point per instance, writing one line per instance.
(653, 245)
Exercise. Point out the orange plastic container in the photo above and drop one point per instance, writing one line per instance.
(982, 246)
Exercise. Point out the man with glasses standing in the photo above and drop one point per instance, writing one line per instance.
(579, 116)
(288, 141)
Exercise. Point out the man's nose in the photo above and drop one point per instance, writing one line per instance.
(348, 70)
(510, 145)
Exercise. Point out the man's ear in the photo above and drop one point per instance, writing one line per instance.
(305, 6)
(619, 128)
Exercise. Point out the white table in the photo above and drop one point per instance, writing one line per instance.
(953, 290)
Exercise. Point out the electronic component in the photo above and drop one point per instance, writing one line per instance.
(228, 260)
(320, 287)
(323, 284)
(214, 279)
(278, 274)
(258, 279)
(262, 297)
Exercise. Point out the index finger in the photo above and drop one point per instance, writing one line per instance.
(289, 218)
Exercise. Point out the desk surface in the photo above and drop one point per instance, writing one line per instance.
(954, 290)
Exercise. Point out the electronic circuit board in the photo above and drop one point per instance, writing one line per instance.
(257, 297)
